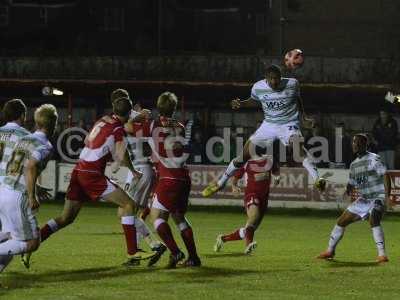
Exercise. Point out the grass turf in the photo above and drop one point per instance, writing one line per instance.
(83, 261)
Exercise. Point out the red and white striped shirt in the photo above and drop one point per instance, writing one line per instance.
(100, 145)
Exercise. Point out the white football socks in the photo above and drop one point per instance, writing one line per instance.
(310, 166)
(379, 238)
(242, 232)
(142, 230)
(53, 225)
(230, 170)
(336, 236)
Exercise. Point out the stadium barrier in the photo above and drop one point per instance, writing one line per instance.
(295, 189)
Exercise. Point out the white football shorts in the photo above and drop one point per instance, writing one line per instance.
(269, 132)
(16, 216)
(140, 191)
(363, 207)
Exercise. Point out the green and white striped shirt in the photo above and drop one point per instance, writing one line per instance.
(367, 176)
(10, 134)
(33, 146)
(279, 106)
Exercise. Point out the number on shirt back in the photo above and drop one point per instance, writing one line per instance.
(293, 127)
(16, 163)
(95, 131)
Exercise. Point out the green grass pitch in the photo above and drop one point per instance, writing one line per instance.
(83, 261)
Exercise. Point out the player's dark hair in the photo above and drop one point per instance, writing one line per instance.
(260, 151)
(274, 69)
(118, 93)
(122, 107)
(166, 104)
(363, 136)
(13, 110)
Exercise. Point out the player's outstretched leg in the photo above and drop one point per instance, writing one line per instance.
(70, 211)
(309, 164)
(254, 218)
(236, 235)
(188, 238)
(12, 246)
(233, 166)
(337, 233)
(4, 261)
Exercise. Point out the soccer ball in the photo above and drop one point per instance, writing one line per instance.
(294, 59)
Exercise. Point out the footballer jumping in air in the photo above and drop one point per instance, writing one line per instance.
(368, 176)
(283, 113)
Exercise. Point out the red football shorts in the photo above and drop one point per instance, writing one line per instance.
(258, 199)
(88, 186)
(172, 195)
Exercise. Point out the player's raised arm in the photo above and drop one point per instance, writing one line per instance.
(249, 102)
(307, 121)
(140, 116)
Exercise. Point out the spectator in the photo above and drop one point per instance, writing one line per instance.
(371, 146)
(198, 150)
(385, 134)
(342, 133)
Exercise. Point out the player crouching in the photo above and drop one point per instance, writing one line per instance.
(171, 194)
(257, 171)
(19, 201)
(367, 175)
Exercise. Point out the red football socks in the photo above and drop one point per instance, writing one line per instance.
(128, 225)
(45, 232)
(249, 234)
(234, 236)
(188, 239)
(164, 231)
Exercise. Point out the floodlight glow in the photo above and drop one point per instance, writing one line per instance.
(57, 92)
(51, 91)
